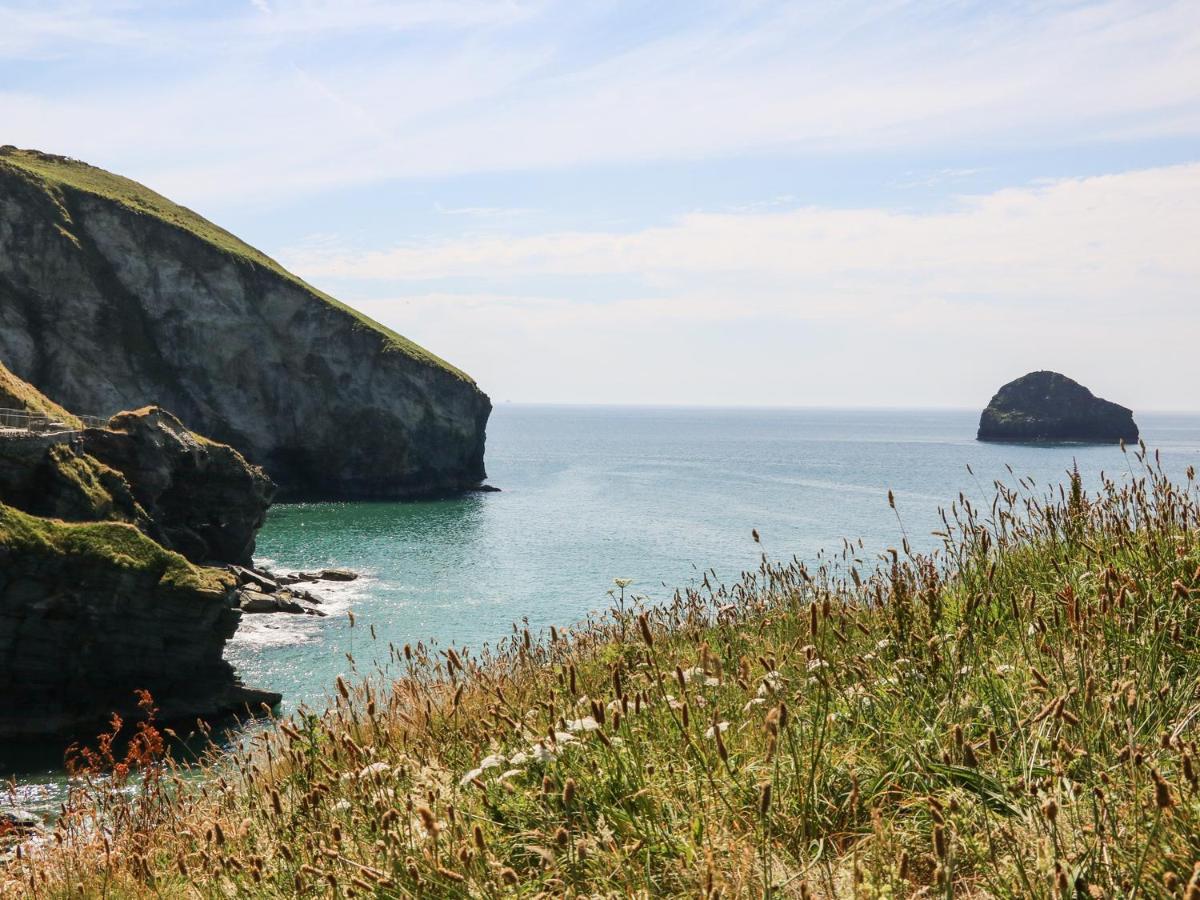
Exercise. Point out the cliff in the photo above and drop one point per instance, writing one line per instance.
(112, 297)
(95, 602)
(91, 612)
(192, 495)
(1047, 406)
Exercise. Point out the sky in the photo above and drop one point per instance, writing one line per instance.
(680, 202)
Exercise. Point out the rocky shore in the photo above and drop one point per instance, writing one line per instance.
(119, 553)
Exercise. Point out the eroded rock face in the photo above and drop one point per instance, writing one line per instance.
(92, 612)
(205, 499)
(1047, 406)
(113, 298)
(191, 495)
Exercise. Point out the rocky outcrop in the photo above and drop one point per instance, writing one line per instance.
(112, 298)
(205, 500)
(92, 612)
(1047, 406)
(194, 496)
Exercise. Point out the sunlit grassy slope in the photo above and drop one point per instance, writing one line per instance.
(1014, 716)
(20, 395)
(58, 173)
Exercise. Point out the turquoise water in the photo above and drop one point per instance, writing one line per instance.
(593, 494)
(656, 495)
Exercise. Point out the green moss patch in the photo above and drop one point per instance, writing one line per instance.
(114, 544)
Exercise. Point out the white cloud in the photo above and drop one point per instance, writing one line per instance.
(493, 86)
(1096, 275)
(1098, 237)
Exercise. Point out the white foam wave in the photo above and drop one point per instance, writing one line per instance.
(261, 631)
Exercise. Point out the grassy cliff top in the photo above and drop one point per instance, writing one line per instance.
(1017, 717)
(61, 172)
(18, 394)
(113, 544)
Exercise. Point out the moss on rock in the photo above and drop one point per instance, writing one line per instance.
(107, 544)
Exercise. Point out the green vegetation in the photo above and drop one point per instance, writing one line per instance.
(102, 492)
(17, 394)
(60, 173)
(1014, 716)
(107, 545)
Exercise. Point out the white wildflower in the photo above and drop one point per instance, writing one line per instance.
(587, 723)
(712, 730)
(771, 682)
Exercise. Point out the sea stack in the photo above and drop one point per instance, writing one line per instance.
(1047, 406)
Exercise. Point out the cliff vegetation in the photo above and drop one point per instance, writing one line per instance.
(1012, 716)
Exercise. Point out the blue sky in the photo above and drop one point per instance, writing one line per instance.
(681, 202)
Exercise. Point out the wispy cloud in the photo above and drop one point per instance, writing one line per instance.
(1077, 273)
(493, 86)
(1099, 237)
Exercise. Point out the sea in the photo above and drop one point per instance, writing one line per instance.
(590, 494)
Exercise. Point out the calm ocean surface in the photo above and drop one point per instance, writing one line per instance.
(655, 495)
(593, 493)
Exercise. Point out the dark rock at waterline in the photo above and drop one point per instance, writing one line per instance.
(254, 578)
(1047, 406)
(337, 575)
(254, 602)
(16, 827)
(19, 820)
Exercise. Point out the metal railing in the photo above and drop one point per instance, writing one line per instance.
(39, 423)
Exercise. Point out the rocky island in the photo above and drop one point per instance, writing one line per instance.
(1047, 406)
(114, 298)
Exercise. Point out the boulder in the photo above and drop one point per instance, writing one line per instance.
(337, 575)
(260, 581)
(254, 602)
(21, 821)
(1047, 406)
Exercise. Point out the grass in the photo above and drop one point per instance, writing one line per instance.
(1012, 716)
(78, 545)
(60, 173)
(17, 394)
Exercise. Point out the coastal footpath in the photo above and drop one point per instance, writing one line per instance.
(114, 298)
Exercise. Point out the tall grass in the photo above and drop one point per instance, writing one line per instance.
(1011, 716)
